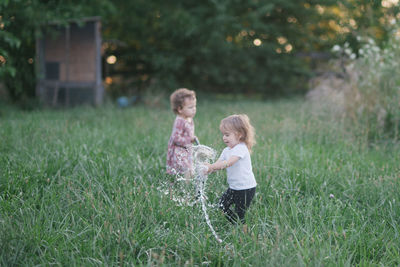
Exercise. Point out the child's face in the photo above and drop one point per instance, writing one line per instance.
(230, 138)
(188, 110)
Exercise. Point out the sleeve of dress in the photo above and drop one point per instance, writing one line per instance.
(181, 134)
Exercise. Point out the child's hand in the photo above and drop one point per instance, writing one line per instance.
(209, 169)
(195, 140)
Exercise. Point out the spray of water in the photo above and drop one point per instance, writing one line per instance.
(184, 195)
(201, 155)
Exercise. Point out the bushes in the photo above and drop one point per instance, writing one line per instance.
(372, 103)
(367, 95)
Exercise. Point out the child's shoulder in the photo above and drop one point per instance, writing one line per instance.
(182, 123)
(180, 120)
(241, 147)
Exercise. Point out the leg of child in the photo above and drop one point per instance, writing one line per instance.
(242, 200)
(225, 202)
(199, 187)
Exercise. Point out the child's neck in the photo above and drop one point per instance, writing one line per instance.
(240, 142)
(189, 119)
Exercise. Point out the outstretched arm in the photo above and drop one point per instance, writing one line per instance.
(222, 164)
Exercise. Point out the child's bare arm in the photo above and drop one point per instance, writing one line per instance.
(222, 164)
(195, 140)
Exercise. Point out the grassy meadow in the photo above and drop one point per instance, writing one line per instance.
(83, 187)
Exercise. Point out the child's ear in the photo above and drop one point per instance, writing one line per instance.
(179, 109)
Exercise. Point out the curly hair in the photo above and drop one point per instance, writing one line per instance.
(178, 97)
(241, 125)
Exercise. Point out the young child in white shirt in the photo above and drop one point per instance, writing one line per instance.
(238, 135)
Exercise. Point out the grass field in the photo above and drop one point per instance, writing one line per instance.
(82, 187)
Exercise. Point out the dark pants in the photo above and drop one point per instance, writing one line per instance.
(241, 199)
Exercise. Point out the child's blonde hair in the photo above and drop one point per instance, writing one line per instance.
(178, 97)
(240, 124)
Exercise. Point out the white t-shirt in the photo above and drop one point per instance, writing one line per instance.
(240, 175)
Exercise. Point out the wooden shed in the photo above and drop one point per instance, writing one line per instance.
(69, 64)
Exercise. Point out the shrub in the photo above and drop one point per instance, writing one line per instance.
(365, 92)
(372, 103)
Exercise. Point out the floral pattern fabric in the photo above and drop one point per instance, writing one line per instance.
(179, 155)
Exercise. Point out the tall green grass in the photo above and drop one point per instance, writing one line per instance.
(81, 187)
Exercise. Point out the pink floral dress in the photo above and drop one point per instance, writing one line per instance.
(179, 155)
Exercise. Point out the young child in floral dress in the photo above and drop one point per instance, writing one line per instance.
(179, 155)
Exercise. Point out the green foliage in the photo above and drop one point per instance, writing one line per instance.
(210, 45)
(7, 39)
(225, 46)
(373, 97)
(82, 189)
(369, 18)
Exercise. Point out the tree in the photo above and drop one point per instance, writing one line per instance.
(225, 46)
(247, 46)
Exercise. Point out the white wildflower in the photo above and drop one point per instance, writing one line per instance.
(371, 41)
(336, 48)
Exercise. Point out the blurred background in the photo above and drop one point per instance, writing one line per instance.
(230, 48)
